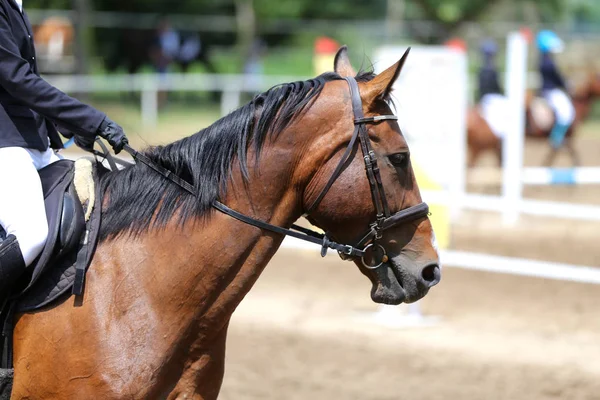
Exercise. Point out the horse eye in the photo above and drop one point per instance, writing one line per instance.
(399, 159)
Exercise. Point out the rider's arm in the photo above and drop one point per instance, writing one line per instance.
(19, 80)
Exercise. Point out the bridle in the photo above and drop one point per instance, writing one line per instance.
(384, 219)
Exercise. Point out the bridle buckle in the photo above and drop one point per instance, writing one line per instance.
(347, 250)
(346, 253)
(377, 227)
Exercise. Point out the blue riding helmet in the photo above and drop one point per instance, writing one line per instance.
(549, 42)
(489, 47)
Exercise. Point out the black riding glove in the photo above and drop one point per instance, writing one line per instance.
(114, 134)
(85, 143)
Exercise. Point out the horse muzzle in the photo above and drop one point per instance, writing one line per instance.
(403, 280)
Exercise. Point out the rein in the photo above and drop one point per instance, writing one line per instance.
(297, 232)
(384, 219)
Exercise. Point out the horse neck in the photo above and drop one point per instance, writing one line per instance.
(187, 280)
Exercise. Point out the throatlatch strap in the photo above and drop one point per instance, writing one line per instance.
(336, 172)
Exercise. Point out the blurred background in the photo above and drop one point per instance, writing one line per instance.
(276, 38)
(516, 314)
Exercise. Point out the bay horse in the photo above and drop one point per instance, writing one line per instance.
(170, 270)
(480, 137)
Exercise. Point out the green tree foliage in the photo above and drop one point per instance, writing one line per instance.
(585, 11)
(319, 9)
(451, 13)
(448, 13)
(46, 4)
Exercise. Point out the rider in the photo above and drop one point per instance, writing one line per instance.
(31, 111)
(554, 89)
(488, 75)
(491, 98)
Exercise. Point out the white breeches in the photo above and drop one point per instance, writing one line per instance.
(562, 106)
(22, 209)
(495, 110)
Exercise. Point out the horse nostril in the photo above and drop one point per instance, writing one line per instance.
(431, 274)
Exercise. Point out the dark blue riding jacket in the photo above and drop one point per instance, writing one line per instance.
(488, 81)
(551, 78)
(31, 109)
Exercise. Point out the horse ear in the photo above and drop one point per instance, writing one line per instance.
(341, 63)
(381, 86)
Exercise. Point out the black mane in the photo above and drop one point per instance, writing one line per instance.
(137, 198)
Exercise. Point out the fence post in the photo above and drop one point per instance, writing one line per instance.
(458, 184)
(150, 105)
(230, 100)
(513, 143)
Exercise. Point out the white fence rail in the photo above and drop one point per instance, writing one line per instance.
(561, 176)
(496, 264)
(149, 85)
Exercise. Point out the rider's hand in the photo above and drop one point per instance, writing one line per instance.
(85, 143)
(114, 134)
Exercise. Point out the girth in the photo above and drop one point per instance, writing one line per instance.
(384, 219)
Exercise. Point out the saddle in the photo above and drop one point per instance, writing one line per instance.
(73, 212)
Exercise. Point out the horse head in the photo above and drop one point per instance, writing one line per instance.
(347, 209)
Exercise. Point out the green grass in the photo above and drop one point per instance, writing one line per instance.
(176, 121)
(276, 61)
(297, 62)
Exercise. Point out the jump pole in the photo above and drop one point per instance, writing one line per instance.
(513, 143)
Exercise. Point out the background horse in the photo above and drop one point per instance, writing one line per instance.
(480, 137)
(583, 98)
(54, 42)
(169, 270)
